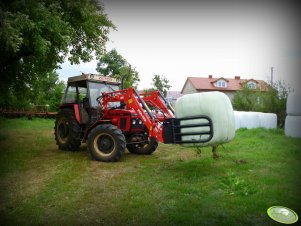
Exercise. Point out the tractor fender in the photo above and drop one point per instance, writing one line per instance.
(87, 130)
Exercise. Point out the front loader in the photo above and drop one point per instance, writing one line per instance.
(95, 111)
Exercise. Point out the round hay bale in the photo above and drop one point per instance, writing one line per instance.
(293, 104)
(249, 120)
(293, 126)
(215, 105)
(237, 119)
(268, 120)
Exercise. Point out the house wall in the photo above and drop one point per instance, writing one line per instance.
(188, 88)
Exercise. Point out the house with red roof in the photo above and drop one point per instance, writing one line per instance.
(229, 86)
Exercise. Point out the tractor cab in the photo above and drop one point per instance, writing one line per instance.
(82, 93)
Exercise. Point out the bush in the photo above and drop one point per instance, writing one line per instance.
(272, 100)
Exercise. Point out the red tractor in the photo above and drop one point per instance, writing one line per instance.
(95, 110)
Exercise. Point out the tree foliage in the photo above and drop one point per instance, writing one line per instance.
(114, 65)
(37, 35)
(161, 83)
(47, 90)
(110, 63)
(247, 99)
(273, 100)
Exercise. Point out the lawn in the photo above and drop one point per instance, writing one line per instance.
(41, 185)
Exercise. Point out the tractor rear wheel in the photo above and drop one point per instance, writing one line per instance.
(146, 148)
(106, 143)
(67, 131)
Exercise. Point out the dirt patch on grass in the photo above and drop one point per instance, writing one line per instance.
(18, 187)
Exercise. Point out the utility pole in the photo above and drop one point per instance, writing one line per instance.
(272, 70)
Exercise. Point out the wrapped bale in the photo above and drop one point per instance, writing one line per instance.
(249, 120)
(237, 119)
(254, 121)
(293, 126)
(293, 104)
(215, 105)
(268, 120)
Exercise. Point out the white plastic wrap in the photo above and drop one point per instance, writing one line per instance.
(237, 119)
(217, 106)
(254, 116)
(293, 126)
(251, 120)
(268, 120)
(293, 104)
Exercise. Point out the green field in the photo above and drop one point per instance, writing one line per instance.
(41, 185)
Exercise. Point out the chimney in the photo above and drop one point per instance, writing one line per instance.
(210, 76)
(237, 77)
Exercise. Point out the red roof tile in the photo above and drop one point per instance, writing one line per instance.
(201, 83)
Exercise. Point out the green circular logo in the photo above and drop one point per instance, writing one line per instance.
(282, 214)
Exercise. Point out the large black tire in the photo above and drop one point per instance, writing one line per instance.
(144, 148)
(67, 131)
(106, 143)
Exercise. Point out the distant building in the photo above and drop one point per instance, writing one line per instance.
(172, 96)
(229, 86)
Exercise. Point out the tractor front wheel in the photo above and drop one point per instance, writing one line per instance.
(106, 143)
(146, 148)
(67, 131)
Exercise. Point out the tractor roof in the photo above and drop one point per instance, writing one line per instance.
(93, 78)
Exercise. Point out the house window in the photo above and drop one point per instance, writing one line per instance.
(221, 84)
(251, 85)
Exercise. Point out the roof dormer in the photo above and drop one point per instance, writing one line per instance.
(220, 83)
(251, 84)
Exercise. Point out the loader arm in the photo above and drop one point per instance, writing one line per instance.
(156, 99)
(168, 130)
(134, 102)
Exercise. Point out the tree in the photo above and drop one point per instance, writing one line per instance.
(47, 90)
(114, 65)
(37, 35)
(272, 100)
(110, 63)
(246, 99)
(275, 100)
(131, 76)
(161, 83)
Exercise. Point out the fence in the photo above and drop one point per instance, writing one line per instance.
(36, 111)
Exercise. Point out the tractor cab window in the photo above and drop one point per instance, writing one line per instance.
(96, 90)
(71, 94)
(82, 91)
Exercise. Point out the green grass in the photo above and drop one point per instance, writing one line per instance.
(41, 185)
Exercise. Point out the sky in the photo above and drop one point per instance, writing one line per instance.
(178, 39)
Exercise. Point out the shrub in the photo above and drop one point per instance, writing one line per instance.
(273, 100)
